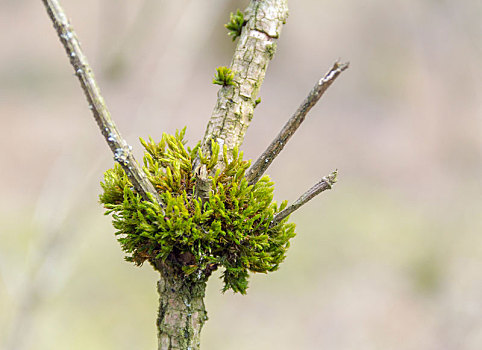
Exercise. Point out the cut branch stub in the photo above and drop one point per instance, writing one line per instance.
(326, 183)
(264, 161)
(121, 150)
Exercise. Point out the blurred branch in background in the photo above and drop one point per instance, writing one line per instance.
(53, 254)
(116, 51)
(177, 62)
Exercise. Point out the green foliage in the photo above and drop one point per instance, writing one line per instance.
(230, 229)
(235, 24)
(257, 102)
(224, 76)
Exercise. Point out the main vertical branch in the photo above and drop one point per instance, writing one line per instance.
(257, 44)
(235, 103)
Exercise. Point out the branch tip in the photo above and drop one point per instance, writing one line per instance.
(326, 183)
(331, 179)
(264, 161)
(342, 65)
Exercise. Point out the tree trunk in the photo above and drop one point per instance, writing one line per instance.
(182, 313)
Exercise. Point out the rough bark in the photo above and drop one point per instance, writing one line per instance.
(182, 313)
(264, 161)
(235, 103)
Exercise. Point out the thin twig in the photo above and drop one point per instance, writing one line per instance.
(122, 151)
(264, 161)
(326, 183)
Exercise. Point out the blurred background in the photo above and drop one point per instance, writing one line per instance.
(391, 258)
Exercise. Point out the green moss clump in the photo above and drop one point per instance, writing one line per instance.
(231, 229)
(235, 24)
(224, 76)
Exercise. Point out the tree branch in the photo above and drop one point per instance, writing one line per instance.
(122, 151)
(235, 103)
(264, 161)
(326, 183)
(256, 46)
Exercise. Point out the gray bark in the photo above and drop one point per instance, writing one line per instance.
(235, 104)
(181, 314)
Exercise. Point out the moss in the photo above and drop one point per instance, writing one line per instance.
(231, 229)
(235, 24)
(257, 102)
(224, 76)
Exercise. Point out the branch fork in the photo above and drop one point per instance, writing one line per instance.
(182, 312)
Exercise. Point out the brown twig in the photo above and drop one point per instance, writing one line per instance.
(326, 183)
(264, 161)
(122, 151)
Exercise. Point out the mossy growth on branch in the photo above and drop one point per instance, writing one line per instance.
(231, 229)
(224, 76)
(235, 24)
(257, 102)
